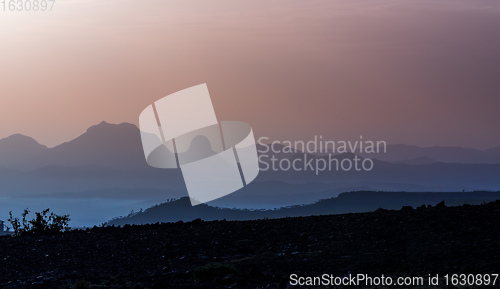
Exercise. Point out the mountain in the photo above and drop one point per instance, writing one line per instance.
(495, 153)
(119, 146)
(112, 145)
(419, 161)
(403, 153)
(351, 202)
(17, 149)
(110, 156)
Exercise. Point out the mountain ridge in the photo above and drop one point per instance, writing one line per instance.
(18, 148)
(113, 145)
(348, 202)
(119, 146)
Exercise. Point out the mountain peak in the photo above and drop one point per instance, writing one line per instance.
(106, 144)
(104, 126)
(18, 148)
(20, 139)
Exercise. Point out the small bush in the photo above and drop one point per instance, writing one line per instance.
(42, 223)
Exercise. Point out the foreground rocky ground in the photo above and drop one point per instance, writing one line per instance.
(258, 254)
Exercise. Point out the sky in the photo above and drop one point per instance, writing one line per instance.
(417, 72)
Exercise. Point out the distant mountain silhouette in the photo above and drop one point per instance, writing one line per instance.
(403, 153)
(17, 149)
(495, 154)
(351, 202)
(111, 145)
(110, 156)
(119, 146)
(199, 148)
(419, 161)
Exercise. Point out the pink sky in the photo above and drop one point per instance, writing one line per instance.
(416, 72)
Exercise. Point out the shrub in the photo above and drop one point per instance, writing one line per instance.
(42, 223)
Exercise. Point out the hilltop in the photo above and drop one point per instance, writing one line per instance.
(349, 202)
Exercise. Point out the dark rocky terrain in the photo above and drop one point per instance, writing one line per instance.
(258, 254)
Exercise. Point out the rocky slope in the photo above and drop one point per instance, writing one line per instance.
(261, 253)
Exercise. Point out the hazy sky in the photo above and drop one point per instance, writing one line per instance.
(416, 72)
